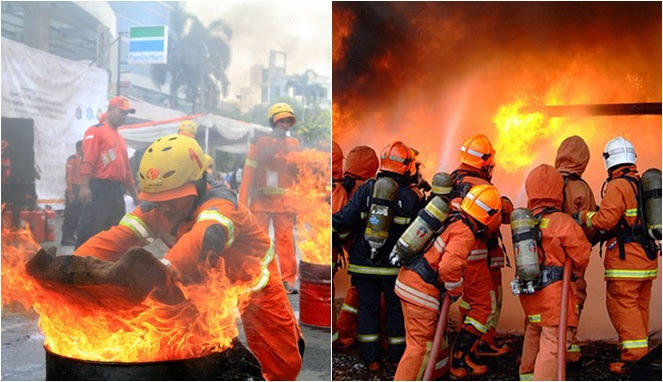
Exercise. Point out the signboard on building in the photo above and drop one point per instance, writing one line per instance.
(148, 45)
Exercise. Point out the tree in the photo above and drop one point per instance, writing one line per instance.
(198, 58)
(303, 85)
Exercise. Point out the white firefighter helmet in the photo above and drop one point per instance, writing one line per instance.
(618, 151)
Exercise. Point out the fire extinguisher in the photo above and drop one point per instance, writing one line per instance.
(50, 223)
(25, 216)
(38, 225)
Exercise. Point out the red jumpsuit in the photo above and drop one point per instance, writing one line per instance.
(265, 179)
(460, 259)
(361, 164)
(571, 161)
(562, 238)
(271, 328)
(628, 280)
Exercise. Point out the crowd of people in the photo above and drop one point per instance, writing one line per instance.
(394, 302)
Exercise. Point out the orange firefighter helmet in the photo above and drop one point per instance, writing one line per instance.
(399, 158)
(478, 152)
(484, 204)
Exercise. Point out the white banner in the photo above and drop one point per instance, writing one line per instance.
(63, 98)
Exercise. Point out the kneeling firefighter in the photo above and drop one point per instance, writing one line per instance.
(549, 237)
(631, 258)
(458, 255)
(201, 224)
(380, 210)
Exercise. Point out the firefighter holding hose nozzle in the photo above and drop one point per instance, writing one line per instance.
(631, 214)
(543, 239)
(456, 260)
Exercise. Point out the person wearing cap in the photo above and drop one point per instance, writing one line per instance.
(188, 128)
(105, 173)
(205, 228)
(266, 178)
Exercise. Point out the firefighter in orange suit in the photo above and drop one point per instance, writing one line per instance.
(562, 238)
(477, 158)
(456, 262)
(571, 161)
(201, 224)
(265, 181)
(631, 259)
(362, 164)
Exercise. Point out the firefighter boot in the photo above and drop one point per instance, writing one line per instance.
(462, 363)
(488, 347)
(620, 367)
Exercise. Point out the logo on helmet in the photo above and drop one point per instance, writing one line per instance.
(194, 156)
(152, 173)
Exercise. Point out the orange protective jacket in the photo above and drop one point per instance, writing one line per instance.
(452, 254)
(105, 155)
(562, 238)
(496, 256)
(571, 161)
(267, 174)
(248, 256)
(619, 202)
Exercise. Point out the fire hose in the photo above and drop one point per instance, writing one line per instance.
(437, 340)
(563, 319)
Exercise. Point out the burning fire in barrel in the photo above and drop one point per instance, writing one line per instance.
(311, 201)
(121, 320)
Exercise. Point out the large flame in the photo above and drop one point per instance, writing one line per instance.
(434, 74)
(76, 324)
(310, 197)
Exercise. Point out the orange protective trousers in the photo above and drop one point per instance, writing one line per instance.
(420, 324)
(540, 353)
(284, 243)
(272, 331)
(628, 308)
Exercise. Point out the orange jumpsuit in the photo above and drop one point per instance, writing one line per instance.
(218, 227)
(468, 177)
(361, 164)
(265, 179)
(571, 162)
(628, 280)
(562, 238)
(460, 259)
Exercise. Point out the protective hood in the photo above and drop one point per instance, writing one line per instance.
(572, 156)
(544, 187)
(337, 161)
(362, 163)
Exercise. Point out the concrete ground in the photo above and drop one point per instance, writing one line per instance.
(23, 356)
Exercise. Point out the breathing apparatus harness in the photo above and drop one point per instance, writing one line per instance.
(636, 233)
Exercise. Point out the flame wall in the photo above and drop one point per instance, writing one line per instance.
(433, 74)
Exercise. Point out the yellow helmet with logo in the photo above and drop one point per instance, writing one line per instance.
(169, 168)
(279, 111)
(188, 128)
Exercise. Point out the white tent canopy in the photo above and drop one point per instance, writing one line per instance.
(140, 135)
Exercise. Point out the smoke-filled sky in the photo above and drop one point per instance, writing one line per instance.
(433, 74)
(301, 28)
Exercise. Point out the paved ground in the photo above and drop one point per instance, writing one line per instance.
(23, 356)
